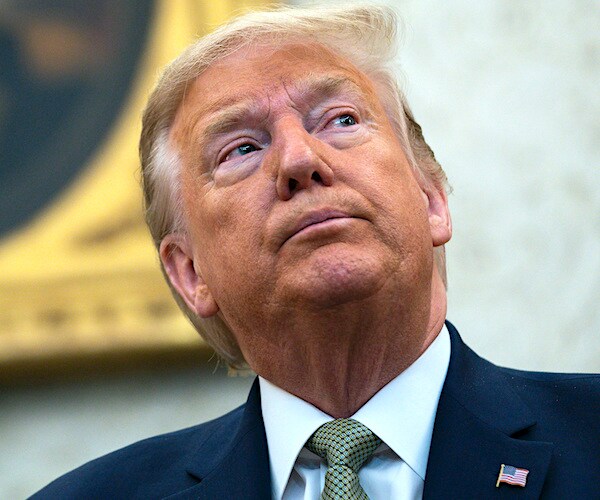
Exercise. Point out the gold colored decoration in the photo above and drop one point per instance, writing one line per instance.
(83, 277)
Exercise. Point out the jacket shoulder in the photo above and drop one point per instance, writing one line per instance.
(151, 468)
(571, 398)
(560, 388)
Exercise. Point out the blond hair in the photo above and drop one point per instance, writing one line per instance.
(364, 35)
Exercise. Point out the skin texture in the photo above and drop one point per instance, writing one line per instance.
(307, 230)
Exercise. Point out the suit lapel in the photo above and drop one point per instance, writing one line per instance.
(239, 469)
(480, 424)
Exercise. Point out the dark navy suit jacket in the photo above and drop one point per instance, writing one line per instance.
(487, 416)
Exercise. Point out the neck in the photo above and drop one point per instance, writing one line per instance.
(338, 365)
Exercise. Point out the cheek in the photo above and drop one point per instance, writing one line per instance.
(387, 179)
(228, 229)
(236, 270)
(390, 187)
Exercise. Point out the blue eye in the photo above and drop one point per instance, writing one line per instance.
(244, 149)
(345, 120)
(241, 150)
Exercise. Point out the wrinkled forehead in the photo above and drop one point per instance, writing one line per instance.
(289, 62)
(253, 71)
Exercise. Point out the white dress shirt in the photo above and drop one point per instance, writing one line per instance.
(402, 414)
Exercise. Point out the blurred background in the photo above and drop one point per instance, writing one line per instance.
(93, 352)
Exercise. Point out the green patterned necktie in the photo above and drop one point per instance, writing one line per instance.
(346, 445)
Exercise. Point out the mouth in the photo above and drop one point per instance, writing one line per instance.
(315, 221)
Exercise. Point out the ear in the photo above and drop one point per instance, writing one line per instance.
(178, 260)
(440, 223)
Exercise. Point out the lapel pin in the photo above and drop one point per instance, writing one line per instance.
(512, 475)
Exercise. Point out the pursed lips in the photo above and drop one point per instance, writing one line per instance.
(314, 218)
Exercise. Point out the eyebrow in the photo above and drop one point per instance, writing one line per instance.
(229, 114)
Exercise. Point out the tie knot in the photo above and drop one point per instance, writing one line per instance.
(344, 442)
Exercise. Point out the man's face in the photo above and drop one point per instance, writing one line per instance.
(297, 194)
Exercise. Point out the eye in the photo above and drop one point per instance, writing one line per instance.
(345, 120)
(241, 150)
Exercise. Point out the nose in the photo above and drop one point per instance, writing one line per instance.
(298, 162)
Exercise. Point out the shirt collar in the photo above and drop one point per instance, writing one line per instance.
(402, 414)
(289, 422)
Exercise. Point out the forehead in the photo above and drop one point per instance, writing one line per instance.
(254, 72)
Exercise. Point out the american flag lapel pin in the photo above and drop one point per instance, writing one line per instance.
(512, 475)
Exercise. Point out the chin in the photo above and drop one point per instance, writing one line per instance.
(336, 279)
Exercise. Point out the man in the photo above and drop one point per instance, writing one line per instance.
(300, 218)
